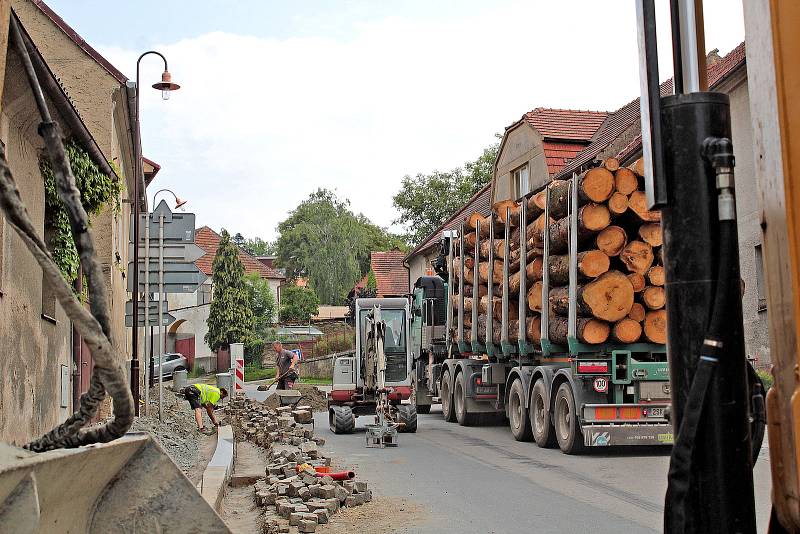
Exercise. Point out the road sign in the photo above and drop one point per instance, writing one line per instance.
(152, 305)
(178, 277)
(167, 319)
(178, 227)
(173, 252)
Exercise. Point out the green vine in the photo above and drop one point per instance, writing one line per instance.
(97, 190)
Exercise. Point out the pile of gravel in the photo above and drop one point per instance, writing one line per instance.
(310, 396)
(177, 433)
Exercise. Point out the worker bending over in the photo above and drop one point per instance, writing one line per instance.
(206, 396)
(285, 361)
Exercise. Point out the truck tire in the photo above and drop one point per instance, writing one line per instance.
(407, 414)
(463, 417)
(518, 418)
(541, 424)
(341, 419)
(421, 408)
(447, 398)
(567, 425)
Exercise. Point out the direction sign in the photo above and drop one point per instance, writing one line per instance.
(178, 277)
(178, 227)
(167, 320)
(152, 306)
(173, 252)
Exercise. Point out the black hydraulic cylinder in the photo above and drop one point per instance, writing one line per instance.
(719, 497)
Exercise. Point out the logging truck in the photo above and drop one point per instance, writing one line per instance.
(550, 312)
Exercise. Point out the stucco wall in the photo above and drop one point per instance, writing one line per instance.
(34, 348)
(520, 145)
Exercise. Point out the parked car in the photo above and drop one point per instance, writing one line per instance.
(172, 361)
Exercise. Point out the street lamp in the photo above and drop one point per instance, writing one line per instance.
(165, 86)
(178, 200)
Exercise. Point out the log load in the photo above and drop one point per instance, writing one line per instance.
(592, 218)
(637, 281)
(612, 240)
(588, 330)
(654, 297)
(651, 234)
(656, 275)
(595, 185)
(533, 329)
(637, 256)
(612, 164)
(501, 208)
(497, 272)
(627, 331)
(472, 222)
(637, 312)
(638, 167)
(535, 297)
(617, 204)
(469, 263)
(637, 203)
(559, 197)
(591, 264)
(655, 326)
(625, 181)
(497, 308)
(609, 297)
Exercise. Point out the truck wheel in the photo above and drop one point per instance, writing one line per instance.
(447, 398)
(407, 414)
(421, 408)
(460, 402)
(567, 426)
(542, 426)
(341, 419)
(518, 418)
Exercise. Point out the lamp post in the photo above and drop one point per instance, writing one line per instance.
(165, 86)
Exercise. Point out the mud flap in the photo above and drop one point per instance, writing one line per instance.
(128, 485)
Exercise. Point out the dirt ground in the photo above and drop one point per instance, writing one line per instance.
(383, 514)
(239, 510)
(311, 397)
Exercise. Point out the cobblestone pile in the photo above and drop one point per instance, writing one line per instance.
(298, 491)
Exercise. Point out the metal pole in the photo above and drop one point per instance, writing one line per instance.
(160, 313)
(146, 357)
(135, 294)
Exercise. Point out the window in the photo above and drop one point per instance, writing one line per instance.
(519, 182)
(760, 285)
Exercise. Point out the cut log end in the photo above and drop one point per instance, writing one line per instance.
(637, 202)
(638, 167)
(593, 263)
(637, 281)
(627, 331)
(656, 275)
(654, 297)
(651, 234)
(609, 297)
(625, 181)
(612, 240)
(597, 184)
(637, 312)
(535, 297)
(593, 331)
(594, 217)
(618, 204)
(637, 256)
(655, 326)
(612, 164)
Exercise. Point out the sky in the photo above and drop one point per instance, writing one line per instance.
(280, 98)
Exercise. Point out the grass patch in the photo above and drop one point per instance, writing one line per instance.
(766, 378)
(315, 380)
(257, 373)
(196, 372)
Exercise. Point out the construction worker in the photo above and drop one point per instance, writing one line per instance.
(203, 395)
(286, 363)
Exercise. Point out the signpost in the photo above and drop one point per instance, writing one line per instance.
(168, 262)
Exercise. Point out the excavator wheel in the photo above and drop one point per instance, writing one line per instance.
(407, 414)
(341, 419)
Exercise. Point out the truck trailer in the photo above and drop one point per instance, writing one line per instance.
(558, 375)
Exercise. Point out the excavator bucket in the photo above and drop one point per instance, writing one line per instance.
(129, 486)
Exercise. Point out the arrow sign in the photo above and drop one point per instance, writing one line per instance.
(153, 307)
(167, 320)
(178, 227)
(173, 252)
(178, 277)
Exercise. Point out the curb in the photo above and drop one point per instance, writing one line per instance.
(219, 469)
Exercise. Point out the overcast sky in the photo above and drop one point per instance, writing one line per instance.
(281, 98)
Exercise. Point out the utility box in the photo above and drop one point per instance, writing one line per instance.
(179, 380)
(225, 380)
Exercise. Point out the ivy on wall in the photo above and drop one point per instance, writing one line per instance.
(97, 190)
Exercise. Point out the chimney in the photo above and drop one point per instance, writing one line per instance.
(712, 57)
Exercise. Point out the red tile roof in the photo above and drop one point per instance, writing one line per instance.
(208, 240)
(390, 274)
(565, 124)
(559, 154)
(619, 121)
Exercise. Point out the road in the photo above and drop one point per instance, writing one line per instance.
(481, 480)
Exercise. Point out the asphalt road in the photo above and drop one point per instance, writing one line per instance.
(480, 480)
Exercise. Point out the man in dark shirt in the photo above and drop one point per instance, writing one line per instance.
(285, 362)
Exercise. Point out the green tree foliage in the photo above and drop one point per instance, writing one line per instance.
(425, 201)
(230, 318)
(324, 241)
(372, 283)
(259, 247)
(298, 304)
(262, 304)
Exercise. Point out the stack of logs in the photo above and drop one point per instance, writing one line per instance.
(620, 294)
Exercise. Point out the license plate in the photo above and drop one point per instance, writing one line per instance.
(485, 390)
(656, 412)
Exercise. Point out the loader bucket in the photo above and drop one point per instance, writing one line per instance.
(129, 485)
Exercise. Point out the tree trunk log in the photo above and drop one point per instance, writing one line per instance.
(638, 167)
(612, 240)
(588, 330)
(651, 234)
(469, 263)
(625, 181)
(591, 264)
(559, 197)
(627, 331)
(637, 281)
(617, 204)
(637, 203)
(654, 297)
(656, 275)
(612, 164)
(609, 298)
(482, 289)
(497, 272)
(655, 326)
(595, 185)
(535, 297)
(533, 329)
(637, 256)
(592, 218)
(637, 312)
(500, 209)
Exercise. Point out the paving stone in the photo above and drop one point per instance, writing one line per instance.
(341, 493)
(307, 526)
(295, 517)
(360, 487)
(304, 493)
(322, 516)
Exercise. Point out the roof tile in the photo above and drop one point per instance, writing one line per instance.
(390, 274)
(208, 240)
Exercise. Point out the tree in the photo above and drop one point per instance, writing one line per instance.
(298, 304)
(324, 241)
(259, 247)
(230, 318)
(238, 239)
(372, 283)
(262, 304)
(425, 201)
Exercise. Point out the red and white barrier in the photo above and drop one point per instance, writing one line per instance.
(237, 355)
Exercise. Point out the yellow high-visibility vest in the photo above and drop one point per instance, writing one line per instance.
(208, 394)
